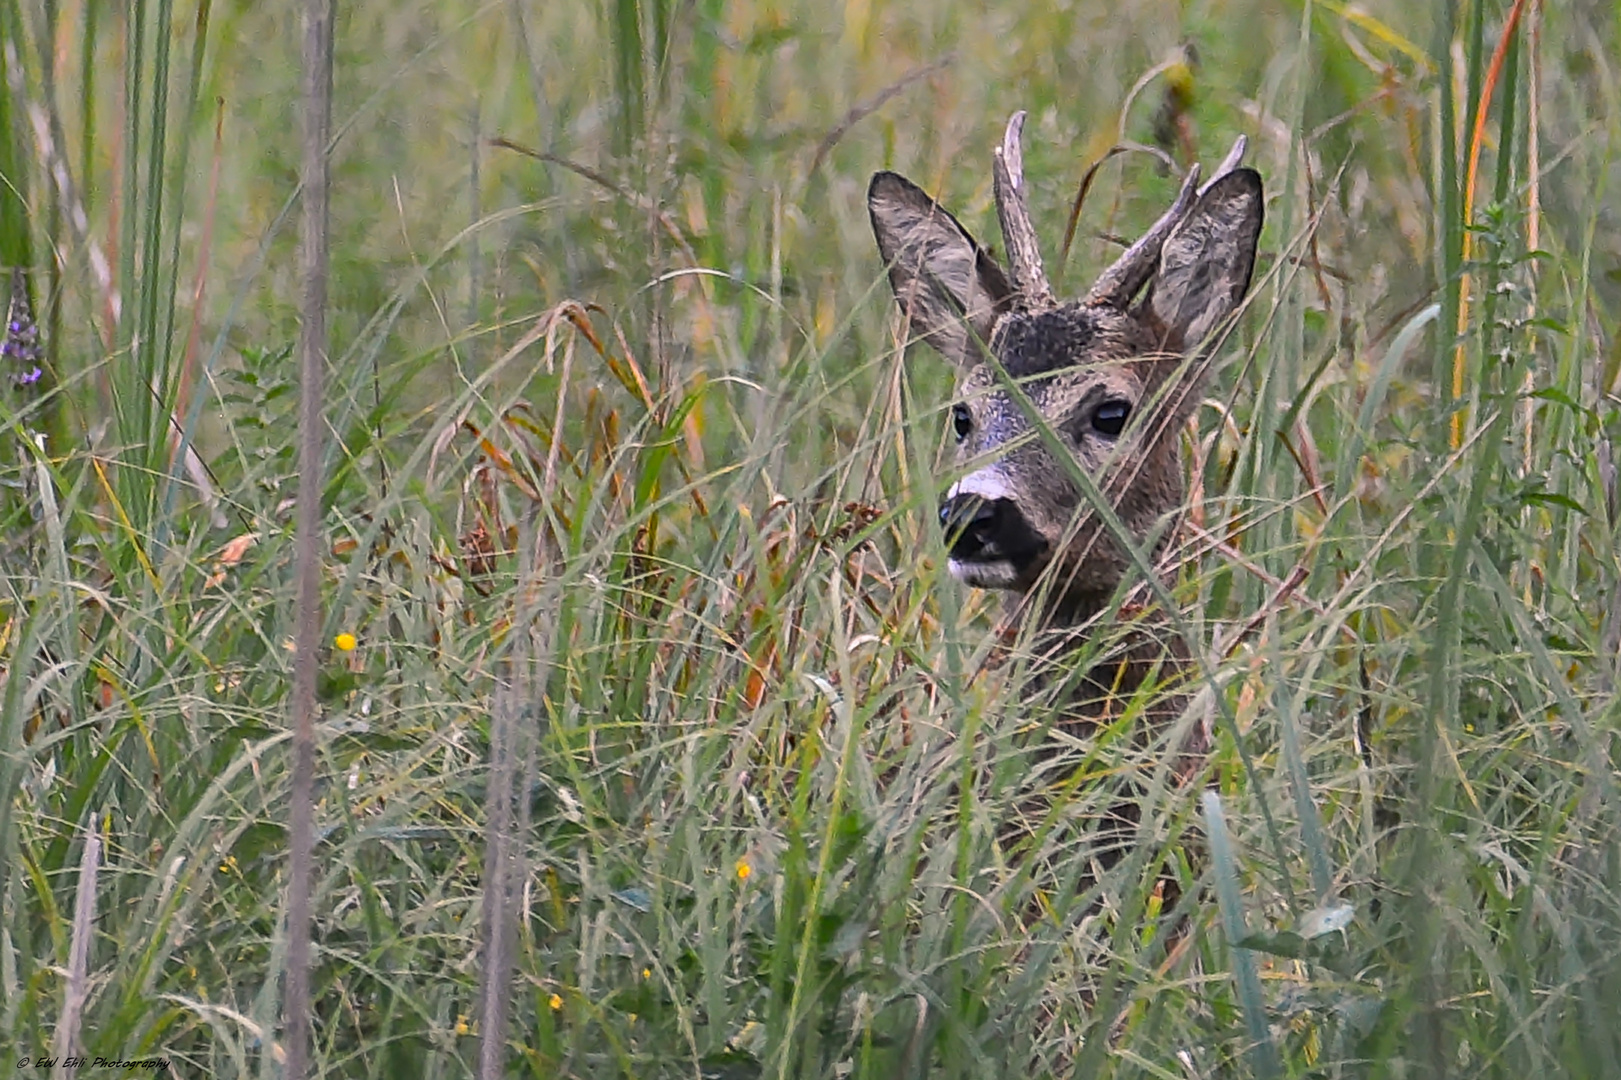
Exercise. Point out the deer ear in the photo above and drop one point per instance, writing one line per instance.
(1205, 265)
(950, 289)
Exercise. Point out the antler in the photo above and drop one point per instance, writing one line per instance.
(1024, 256)
(1120, 282)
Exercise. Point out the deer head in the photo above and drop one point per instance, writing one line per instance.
(1113, 374)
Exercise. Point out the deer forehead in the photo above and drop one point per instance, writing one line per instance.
(1034, 343)
(1073, 335)
(1061, 358)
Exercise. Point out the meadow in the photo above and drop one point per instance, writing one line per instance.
(653, 737)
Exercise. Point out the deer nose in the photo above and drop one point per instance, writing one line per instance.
(970, 524)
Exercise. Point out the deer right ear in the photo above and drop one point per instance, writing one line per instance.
(1205, 265)
(950, 289)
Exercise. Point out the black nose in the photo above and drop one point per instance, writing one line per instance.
(971, 524)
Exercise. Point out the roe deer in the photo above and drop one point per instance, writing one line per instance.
(1113, 375)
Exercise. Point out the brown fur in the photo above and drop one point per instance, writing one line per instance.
(1114, 374)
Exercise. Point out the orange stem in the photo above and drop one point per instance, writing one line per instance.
(1487, 89)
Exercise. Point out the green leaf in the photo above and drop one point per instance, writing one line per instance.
(1554, 498)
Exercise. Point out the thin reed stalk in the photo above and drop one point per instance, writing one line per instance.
(314, 260)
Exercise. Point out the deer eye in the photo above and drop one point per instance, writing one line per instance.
(1109, 418)
(962, 422)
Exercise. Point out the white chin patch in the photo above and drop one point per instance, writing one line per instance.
(983, 575)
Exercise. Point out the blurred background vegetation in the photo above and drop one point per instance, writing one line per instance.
(629, 506)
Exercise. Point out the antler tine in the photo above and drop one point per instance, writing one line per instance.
(1024, 256)
(1234, 158)
(1120, 282)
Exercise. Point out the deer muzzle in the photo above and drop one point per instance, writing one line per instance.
(992, 544)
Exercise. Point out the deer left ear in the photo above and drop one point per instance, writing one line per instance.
(949, 287)
(1205, 265)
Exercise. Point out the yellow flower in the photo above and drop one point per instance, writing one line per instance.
(345, 642)
(744, 870)
(461, 1025)
(556, 1002)
(647, 973)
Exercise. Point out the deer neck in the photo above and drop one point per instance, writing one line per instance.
(1073, 614)
(1130, 643)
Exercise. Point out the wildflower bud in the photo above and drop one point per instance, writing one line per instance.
(21, 342)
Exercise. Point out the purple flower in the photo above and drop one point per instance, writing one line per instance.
(22, 334)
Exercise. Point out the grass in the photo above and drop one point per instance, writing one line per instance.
(628, 510)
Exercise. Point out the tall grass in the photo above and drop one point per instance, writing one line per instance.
(653, 739)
